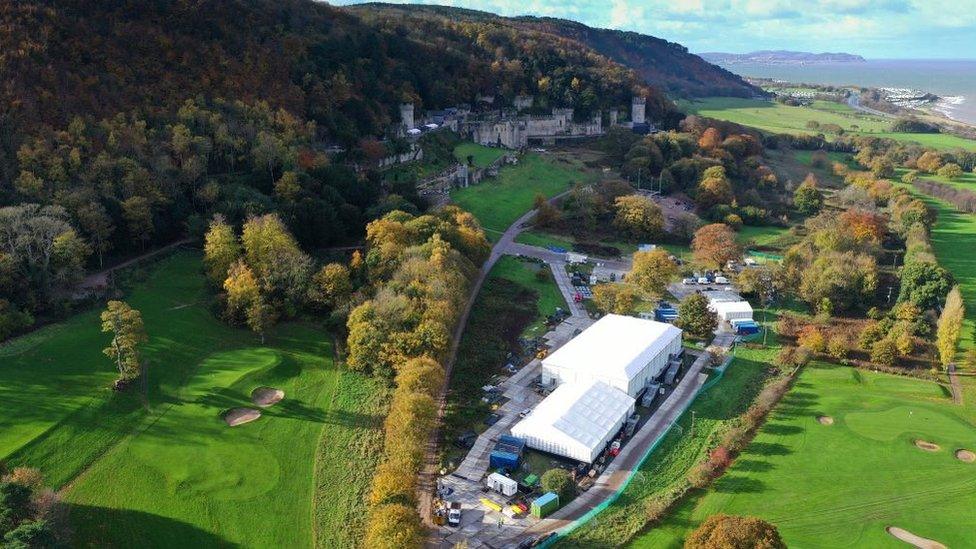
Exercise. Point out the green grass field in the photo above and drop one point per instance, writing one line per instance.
(680, 449)
(524, 273)
(499, 201)
(777, 118)
(841, 485)
(482, 155)
(766, 236)
(174, 474)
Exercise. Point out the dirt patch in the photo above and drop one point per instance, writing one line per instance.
(966, 455)
(912, 539)
(825, 420)
(927, 446)
(240, 416)
(266, 396)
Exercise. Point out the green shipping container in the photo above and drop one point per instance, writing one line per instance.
(545, 505)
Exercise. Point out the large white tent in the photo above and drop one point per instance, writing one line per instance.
(577, 420)
(622, 351)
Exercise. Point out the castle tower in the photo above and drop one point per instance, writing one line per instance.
(406, 115)
(637, 110)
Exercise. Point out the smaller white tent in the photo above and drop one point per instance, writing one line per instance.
(577, 420)
(732, 310)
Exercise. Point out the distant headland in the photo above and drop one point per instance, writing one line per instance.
(781, 57)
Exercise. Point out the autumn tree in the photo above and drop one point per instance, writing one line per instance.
(638, 216)
(710, 139)
(949, 327)
(138, 218)
(332, 285)
(394, 526)
(807, 198)
(714, 245)
(734, 532)
(615, 298)
(695, 318)
(242, 290)
(714, 188)
(950, 171)
(847, 279)
(128, 333)
(652, 271)
(95, 222)
(220, 250)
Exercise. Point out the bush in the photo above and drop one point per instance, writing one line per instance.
(884, 351)
(559, 481)
(812, 338)
(393, 526)
(837, 347)
(727, 531)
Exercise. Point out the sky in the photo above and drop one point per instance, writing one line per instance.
(876, 29)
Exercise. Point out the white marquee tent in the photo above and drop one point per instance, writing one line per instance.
(577, 420)
(622, 351)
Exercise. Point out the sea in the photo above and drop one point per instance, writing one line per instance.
(953, 80)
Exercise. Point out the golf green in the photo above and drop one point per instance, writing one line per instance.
(842, 484)
(157, 465)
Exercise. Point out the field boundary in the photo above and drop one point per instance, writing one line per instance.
(592, 513)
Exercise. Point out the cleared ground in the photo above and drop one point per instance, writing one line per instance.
(841, 485)
(774, 117)
(167, 470)
(497, 202)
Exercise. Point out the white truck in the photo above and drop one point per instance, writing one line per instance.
(454, 514)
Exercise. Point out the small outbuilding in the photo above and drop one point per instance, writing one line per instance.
(577, 420)
(502, 484)
(732, 310)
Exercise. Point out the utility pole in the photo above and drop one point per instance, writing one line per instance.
(638, 178)
(692, 434)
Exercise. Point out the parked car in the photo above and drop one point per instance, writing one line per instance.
(454, 515)
(702, 280)
(689, 281)
(721, 280)
(525, 412)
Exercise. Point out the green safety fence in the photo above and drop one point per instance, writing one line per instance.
(592, 513)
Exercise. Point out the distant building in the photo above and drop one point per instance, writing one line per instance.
(406, 117)
(637, 110)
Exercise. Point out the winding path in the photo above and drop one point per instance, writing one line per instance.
(505, 245)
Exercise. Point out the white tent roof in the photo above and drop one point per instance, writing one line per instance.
(618, 345)
(725, 307)
(577, 413)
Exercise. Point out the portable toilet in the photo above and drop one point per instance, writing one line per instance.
(501, 483)
(545, 505)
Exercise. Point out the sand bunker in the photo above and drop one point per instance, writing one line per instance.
(266, 396)
(966, 455)
(240, 416)
(825, 420)
(927, 446)
(910, 538)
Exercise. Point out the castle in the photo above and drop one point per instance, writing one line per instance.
(513, 129)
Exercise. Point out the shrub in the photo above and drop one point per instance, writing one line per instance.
(812, 338)
(884, 351)
(729, 531)
(837, 347)
(559, 481)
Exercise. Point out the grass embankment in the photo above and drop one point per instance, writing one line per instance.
(482, 156)
(682, 447)
(498, 202)
(548, 296)
(170, 472)
(841, 485)
(774, 117)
